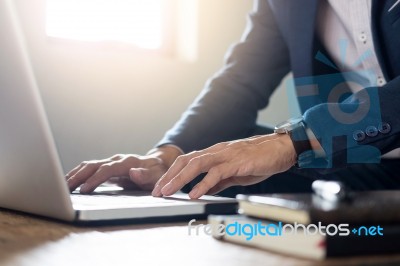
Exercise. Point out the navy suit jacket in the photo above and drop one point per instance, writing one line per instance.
(280, 37)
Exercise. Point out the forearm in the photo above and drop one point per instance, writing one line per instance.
(228, 106)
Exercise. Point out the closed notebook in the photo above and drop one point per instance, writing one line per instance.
(361, 208)
(310, 244)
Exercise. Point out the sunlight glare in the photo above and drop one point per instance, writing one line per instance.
(133, 21)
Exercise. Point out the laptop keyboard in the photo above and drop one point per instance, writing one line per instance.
(112, 198)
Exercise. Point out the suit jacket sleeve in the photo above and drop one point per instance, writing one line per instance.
(227, 107)
(336, 126)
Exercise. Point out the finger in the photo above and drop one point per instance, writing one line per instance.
(104, 172)
(195, 167)
(142, 177)
(136, 174)
(175, 169)
(178, 165)
(213, 177)
(74, 171)
(182, 162)
(222, 185)
(124, 182)
(85, 172)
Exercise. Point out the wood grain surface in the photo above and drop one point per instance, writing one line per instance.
(28, 240)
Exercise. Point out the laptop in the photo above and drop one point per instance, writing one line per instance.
(31, 174)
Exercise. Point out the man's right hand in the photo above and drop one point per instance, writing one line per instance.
(124, 169)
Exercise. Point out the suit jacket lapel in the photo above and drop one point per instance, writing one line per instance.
(303, 15)
(377, 9)
(386, 34)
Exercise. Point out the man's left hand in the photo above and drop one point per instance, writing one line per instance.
(241, 162)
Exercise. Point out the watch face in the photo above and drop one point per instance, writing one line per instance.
(286, 126)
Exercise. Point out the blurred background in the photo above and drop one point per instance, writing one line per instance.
(107, 92)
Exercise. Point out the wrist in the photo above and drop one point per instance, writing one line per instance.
(166, 153)
(296, 129)
(290, 154)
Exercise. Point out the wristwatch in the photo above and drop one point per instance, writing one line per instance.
(296, 129)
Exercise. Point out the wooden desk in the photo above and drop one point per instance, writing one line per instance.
(27, 240)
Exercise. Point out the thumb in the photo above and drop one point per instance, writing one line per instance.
(142, 178)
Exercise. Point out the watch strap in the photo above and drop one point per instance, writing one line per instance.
(302, 146)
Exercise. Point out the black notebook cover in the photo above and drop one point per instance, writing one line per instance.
(368, 207)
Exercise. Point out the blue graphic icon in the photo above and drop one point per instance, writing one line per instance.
(347, 113)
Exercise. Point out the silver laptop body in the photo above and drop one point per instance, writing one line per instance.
(31, 174)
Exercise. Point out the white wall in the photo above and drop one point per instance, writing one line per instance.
(107, 100)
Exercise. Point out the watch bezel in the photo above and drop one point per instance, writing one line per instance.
(288, 125)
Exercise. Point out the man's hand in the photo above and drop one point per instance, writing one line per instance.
(241, 162)
(127, 170)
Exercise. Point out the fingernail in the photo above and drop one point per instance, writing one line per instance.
(156, 191)
(194, 193)
(84, 188)
(167, 189)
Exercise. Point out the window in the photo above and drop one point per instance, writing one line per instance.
(139, 22)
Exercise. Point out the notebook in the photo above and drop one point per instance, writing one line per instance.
(31, 175)
(302, 241)
(361, 208)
